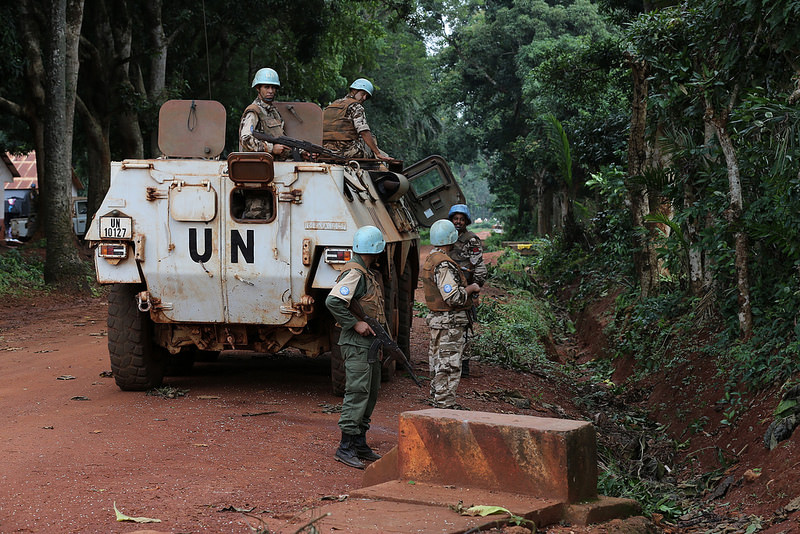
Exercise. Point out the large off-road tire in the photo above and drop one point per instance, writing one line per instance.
(390, 297)
(136, 361)
(405, 309)
(338, 375)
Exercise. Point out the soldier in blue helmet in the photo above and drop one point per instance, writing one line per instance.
(345, 129)
(261, 116)
(449, 298)
(467, 252)
(362, 378)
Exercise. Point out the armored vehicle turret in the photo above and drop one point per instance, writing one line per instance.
(208, 254)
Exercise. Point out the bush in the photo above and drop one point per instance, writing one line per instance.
(19, 274)
(511, 332)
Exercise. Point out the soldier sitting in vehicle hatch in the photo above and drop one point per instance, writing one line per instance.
(261, 116)
(345, 130)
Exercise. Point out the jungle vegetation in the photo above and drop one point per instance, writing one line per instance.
(658, 141)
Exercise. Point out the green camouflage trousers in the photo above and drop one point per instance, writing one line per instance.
(362, 381)
(447, 346)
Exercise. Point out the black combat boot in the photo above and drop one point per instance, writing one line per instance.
(465, 368)
(346, 453)
(363, 450)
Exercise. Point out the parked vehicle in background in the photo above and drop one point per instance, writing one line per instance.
(19, 213)
(80, 208)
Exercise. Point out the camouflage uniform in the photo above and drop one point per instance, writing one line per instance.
(354, 114)
(261, 117)
(446, 296)
(467, 252)
(362, 378)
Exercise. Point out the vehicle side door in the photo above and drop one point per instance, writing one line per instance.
(433, 189)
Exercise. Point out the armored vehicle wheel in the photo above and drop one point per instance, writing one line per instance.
(405, 310)
(338, 376)
(390, 295)
(136, 361)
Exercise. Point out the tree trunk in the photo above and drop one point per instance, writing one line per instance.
(734, 218)
(644, 256)
(158, 61)
(63, 267)
(98, 159)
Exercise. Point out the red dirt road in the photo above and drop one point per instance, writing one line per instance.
(250, 433)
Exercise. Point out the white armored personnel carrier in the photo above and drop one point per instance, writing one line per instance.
(208, 254)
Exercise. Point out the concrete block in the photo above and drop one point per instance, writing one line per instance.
(537, 456)
(601, 510)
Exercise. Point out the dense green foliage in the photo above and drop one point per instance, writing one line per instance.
(20, 274)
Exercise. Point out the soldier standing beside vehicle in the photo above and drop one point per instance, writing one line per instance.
(362, 377)
(467, 252)
(448, 296)
(345, 130)
(261, 116)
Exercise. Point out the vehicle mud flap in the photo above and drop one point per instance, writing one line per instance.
(338, 375)
(136, 361)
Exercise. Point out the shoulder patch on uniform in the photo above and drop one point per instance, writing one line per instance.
(448, 288)
(344, 290)
(476, 249)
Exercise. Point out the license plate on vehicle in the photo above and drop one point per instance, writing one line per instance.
(116, 227)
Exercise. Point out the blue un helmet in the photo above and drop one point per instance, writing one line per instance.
(460, 208)
(266, 76)
(443, 232)
(368, 240)
(363, 84)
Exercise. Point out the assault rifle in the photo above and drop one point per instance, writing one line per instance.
(382, 339)
(298, 144)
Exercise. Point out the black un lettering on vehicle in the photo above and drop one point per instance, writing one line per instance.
(237, 245)
(248, 250)
(206, 255)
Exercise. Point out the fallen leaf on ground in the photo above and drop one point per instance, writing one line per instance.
(79, 397)
(66, 377)
(485, 510)
(208, 396)
(231, 508)
(123, 517)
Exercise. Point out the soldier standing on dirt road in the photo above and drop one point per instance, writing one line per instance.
(261, 116)
(448, 296)
(467, 252)
(362, 378)
(345, 129)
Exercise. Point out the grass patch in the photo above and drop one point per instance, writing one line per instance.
(511, 332)
(19, 274)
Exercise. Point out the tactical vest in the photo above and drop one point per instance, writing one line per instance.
(458, 254)
(270, 124)
(372, 301)
(433, 297)
(334, 126)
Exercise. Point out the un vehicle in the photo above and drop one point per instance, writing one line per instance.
(207, 254)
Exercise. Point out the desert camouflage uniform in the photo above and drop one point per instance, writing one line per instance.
(467, 252)
(267, 120)
(356, 148)
(448, 333)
